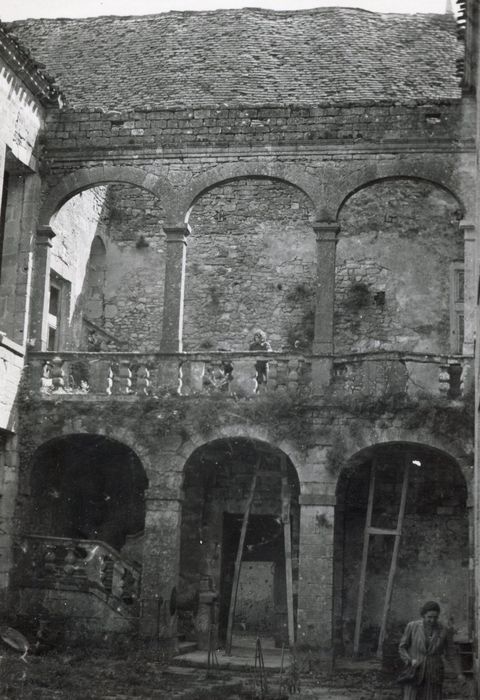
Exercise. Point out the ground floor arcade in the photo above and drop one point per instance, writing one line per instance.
(171, 518)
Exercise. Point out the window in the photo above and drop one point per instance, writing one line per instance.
(57, 311)
(457, 298)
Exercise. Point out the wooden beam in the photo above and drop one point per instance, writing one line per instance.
(393, 564)
(363, 568)
(287, 540)
(238, 560)
(381, 531)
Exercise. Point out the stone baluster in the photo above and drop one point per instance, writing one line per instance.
(109, 380)
(117, 579)
(326, 233)
(444, 380)
(125, 377)
(293, 375)
(106, 572)
(49, 563)
(466, 378)
(172, 325)
(45, 381)
(69, 564)
(143, 381)
(41, 288)
(57, 374)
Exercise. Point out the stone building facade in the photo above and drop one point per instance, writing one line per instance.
(261, 174)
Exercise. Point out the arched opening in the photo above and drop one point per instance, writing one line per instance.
(399, 282)
(433, 555)
(89, 487)
(108, 270)
(250, 264)
(217, 486)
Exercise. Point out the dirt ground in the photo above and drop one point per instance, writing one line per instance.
(89, 675)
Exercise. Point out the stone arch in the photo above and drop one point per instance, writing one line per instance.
(251, 432)
(289, 174)
(376, 172)
(434, 546)
(453, 449)
(85, 178)
(385, 222)
(88, 486)
(244, 226)
(217, 481)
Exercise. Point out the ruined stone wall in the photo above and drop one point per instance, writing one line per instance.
(128, 220)
(396, 245)
(135, 267)
(75, 226)
(250, 263)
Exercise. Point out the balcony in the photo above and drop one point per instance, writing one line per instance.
(130, 376)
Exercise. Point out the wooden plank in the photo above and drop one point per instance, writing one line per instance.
(393, 564)
(381, 531)
(287, 540)
(238, 560)
(363, 569)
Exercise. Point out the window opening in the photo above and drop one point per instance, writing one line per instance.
(457, 301)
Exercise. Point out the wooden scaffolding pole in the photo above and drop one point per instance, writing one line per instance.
(238, 560)
(369, 531)
(363, 569)
(396, 546)
(287, 540)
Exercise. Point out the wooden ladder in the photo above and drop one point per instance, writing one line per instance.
(369, 532)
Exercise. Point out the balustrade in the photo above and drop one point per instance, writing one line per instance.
(130, 375)
(381, 373)
(78, 565)
(139, 374)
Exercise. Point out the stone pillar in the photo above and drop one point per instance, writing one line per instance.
(15, 279)
(41, 287)
(315, 586)
(161, 562)
(172, 325)
(470, 286)
(9, 488)
(326, 232)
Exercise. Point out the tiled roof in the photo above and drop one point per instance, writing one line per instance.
(41, 84)
(247, 56)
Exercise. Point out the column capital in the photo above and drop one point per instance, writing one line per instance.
(326, 230)
(45, 235)
(176, 232)
(468, 228)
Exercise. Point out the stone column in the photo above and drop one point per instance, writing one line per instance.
(326, 232)
(470, 286)
(315, 586)
(15, 278)
(161, 562)
(9, 489)
(40, 287)
(172, 325)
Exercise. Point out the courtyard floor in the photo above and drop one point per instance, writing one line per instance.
(97, 676)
